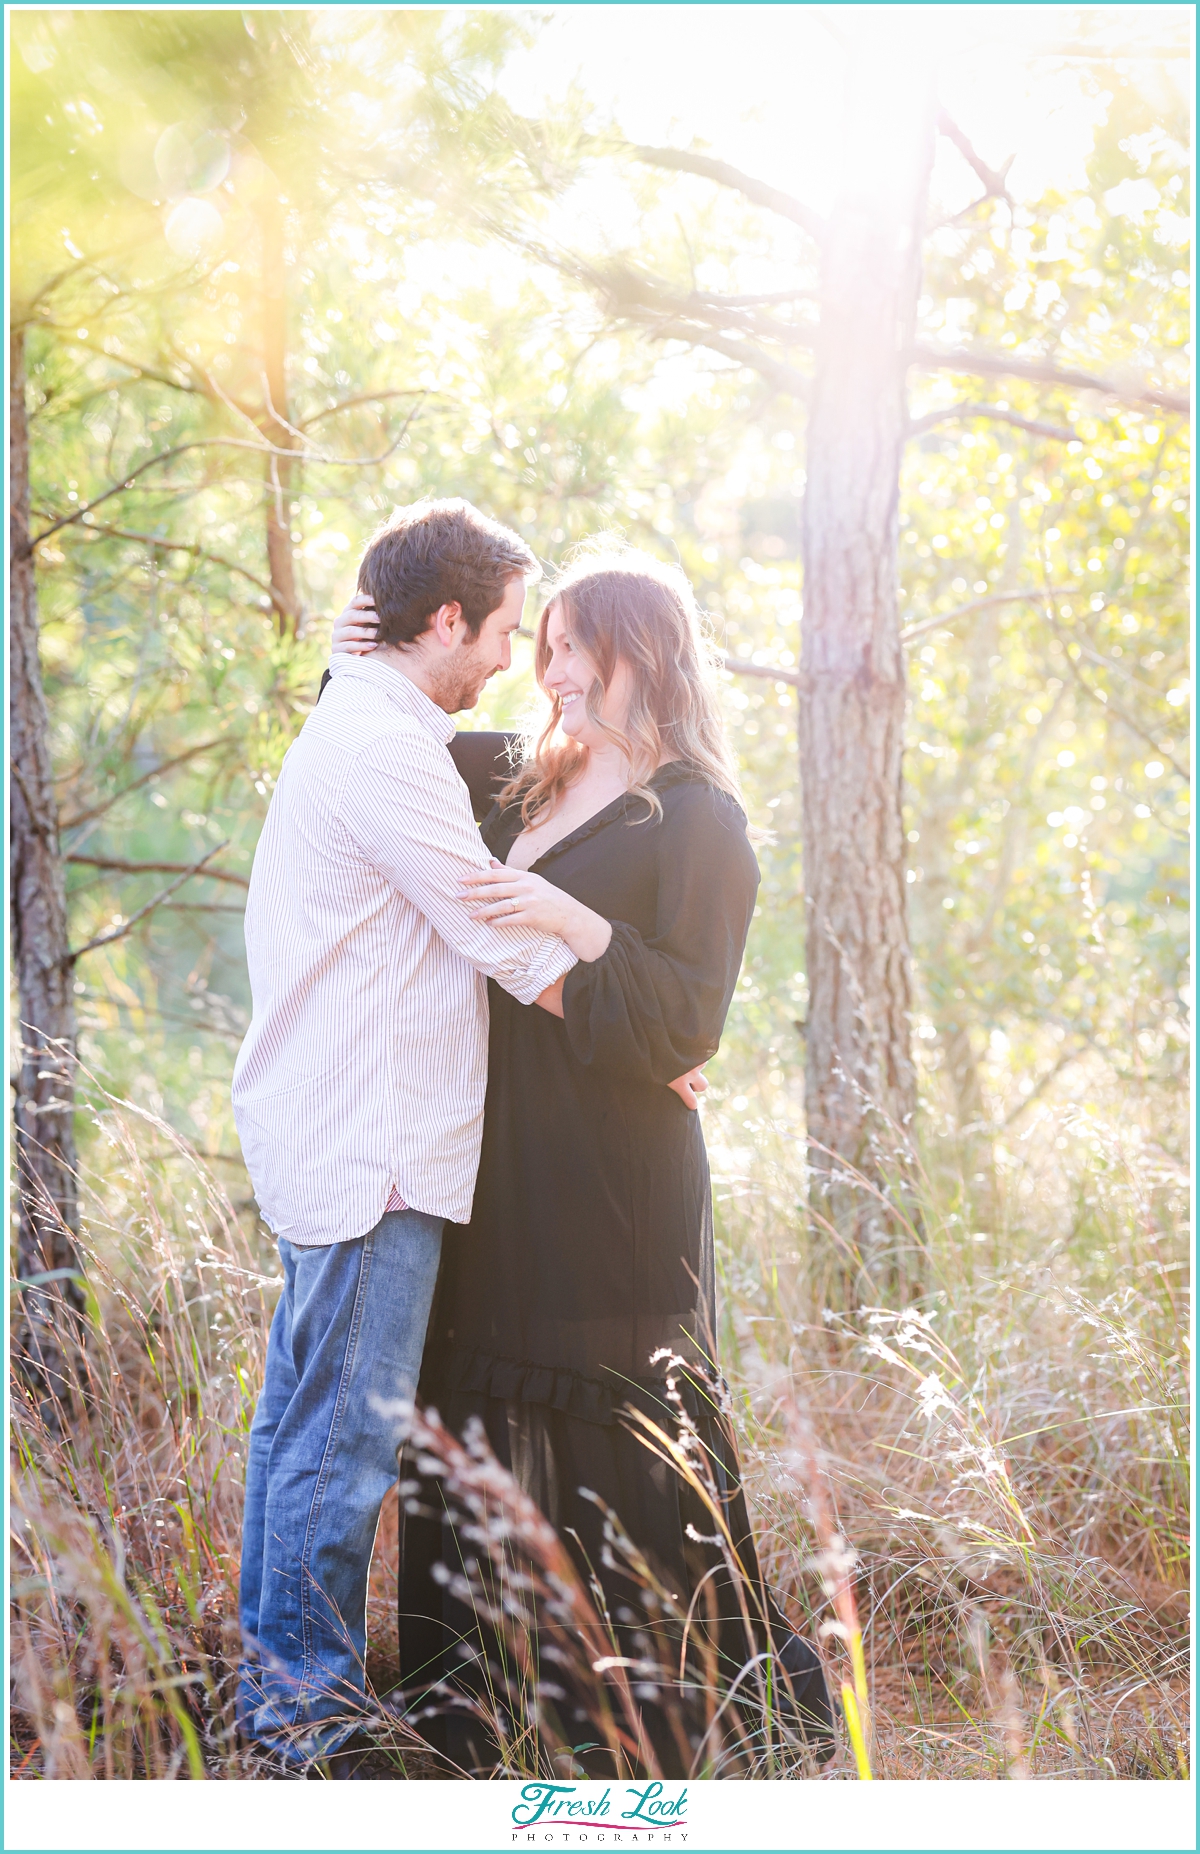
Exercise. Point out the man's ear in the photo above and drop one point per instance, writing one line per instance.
(446, 623)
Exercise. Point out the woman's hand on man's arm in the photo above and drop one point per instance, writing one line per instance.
(518, 898)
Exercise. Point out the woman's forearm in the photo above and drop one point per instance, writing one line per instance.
(551, 999)
(587, 934)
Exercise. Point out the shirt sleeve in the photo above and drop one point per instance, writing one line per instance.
(485, 761)
(408, 814)
(655, 1006)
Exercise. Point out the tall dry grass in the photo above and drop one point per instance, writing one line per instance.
(992, 1480)
(1009, 1453)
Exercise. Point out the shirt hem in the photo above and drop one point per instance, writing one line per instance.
(459, 1213)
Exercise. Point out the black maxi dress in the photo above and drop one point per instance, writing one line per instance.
(590, 1253)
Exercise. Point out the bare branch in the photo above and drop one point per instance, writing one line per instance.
(181, 547)
(228, 444)
(127, 482)
(23, 313)
(85, 817)
(727, 312)
(756, 302)
(911, 632)
(202, 907)
(217, 393)
(967, 410)
(124, 868)
(1045, 373)
(136, 368)
(1041, 601)
(739, 666)
(156, 901)
(757, 191)
(637, 294)
(363, 399)
(777, 373)
(955, 218)
(1105, 700)
(1116, 669)
(650, 304)
(275, 417)
(995, 183)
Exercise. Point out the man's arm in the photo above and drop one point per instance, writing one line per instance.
(408, 813)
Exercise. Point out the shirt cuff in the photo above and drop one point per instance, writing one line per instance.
(553, 964)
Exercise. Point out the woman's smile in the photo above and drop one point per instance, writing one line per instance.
(573, 714)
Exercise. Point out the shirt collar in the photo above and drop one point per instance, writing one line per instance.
(398, 688)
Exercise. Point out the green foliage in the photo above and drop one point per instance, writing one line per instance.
(434, 326)
(1047, 776)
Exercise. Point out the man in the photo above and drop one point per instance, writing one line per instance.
(359, 1091)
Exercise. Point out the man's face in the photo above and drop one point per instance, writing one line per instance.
(471, 661)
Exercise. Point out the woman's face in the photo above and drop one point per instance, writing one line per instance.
(570, 674)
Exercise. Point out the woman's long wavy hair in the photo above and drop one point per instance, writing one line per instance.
(618, 604)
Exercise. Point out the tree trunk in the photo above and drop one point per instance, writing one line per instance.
(860, 1082)
(275, 421)
(47, 1203)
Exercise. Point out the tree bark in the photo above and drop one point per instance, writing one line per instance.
(860, 1082)
(275, 422)
(47, 1198)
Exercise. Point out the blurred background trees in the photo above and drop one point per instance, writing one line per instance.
(274, 273)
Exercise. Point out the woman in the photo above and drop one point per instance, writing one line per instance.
(586, 1273)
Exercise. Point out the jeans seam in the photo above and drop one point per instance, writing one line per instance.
(306, 1618)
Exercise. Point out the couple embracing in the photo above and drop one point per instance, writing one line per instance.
(483, 989)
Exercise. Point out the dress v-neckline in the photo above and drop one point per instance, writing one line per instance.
(606, 814)
(580, 830)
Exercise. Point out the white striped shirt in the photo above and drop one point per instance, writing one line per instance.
(364, 1067)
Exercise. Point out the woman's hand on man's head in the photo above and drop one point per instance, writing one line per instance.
(355, 629)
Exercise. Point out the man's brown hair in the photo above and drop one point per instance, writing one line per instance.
(440, 553)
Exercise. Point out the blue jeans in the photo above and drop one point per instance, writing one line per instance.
(343, 1361)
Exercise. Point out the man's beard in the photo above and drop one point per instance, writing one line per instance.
(459, 682)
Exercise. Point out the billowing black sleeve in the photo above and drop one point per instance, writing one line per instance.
(655, 1007)
(486, 762)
